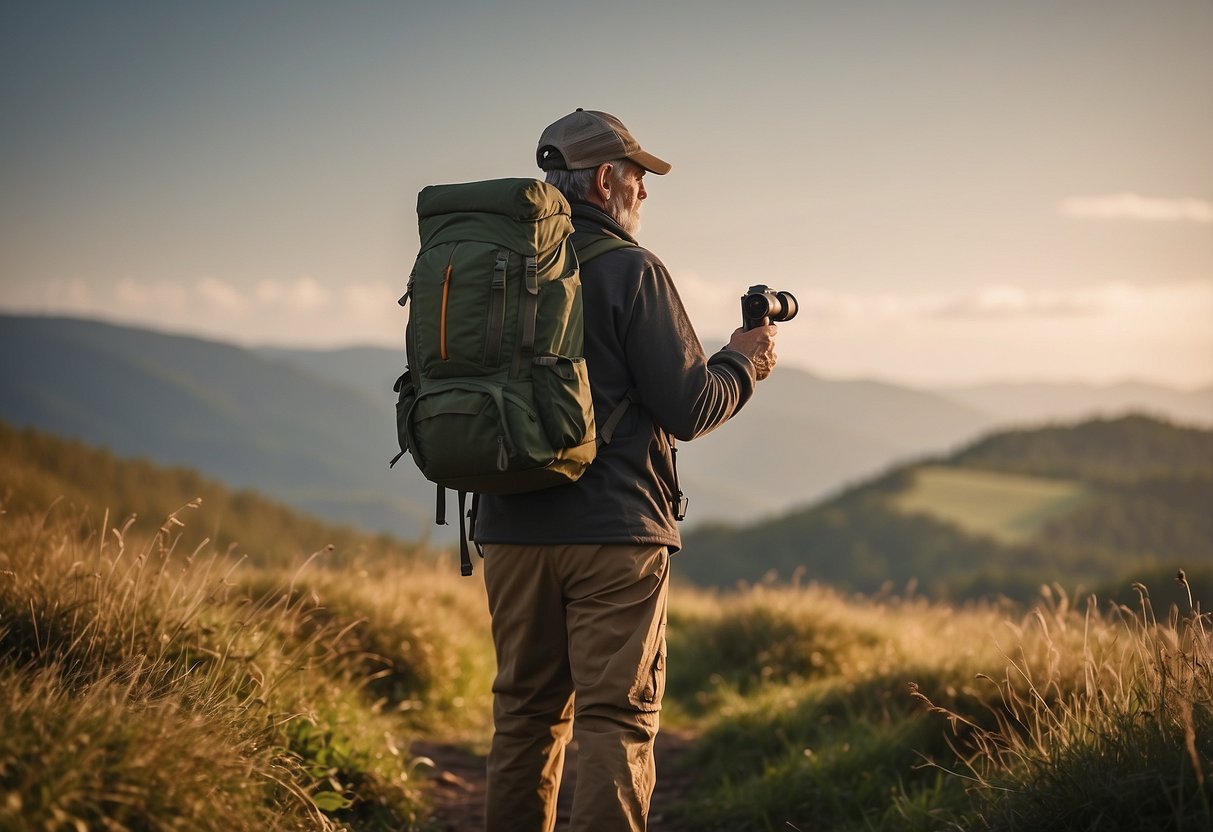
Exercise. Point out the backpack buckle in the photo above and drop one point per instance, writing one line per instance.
(499, 267)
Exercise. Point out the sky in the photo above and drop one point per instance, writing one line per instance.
(957, 191)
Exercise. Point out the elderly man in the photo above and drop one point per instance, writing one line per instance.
(578, 575)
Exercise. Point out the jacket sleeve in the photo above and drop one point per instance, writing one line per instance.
(687, 393)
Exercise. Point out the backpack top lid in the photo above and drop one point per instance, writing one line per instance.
(523, 215)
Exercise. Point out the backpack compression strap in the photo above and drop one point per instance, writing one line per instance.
(467, 526)
(608, 427)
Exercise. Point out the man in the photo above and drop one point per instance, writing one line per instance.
(577, 576)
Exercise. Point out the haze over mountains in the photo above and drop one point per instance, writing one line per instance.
(223, 410)
(315, 428)
(800, 438)
(1027, 403)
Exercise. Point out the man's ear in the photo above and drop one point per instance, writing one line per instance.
(602, 181)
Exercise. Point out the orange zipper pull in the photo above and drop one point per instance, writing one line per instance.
(446, 291)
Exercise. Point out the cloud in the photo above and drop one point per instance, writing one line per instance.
(715, 310)
(1006, 301)
(222, 295)
(992, 301)
(299, 311)
(1131, 206)
(129, 294)
(304, 294)
(1104, 331)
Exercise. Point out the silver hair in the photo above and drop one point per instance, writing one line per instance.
(576, 184)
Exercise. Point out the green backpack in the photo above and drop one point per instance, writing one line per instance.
(496, 398)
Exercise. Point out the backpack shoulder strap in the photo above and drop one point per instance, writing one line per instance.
(589, 245)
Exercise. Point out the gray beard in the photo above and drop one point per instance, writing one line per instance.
(629, 221)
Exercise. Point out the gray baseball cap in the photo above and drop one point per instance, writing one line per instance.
(586, 139)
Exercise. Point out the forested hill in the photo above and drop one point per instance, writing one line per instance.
(1120, 450)
(1099, 504)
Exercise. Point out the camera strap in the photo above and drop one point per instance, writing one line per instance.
(679, 501)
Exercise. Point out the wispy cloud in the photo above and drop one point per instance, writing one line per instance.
(1131, 206)
(1108, 331)
(714, 309)
(303, 295)
(997, 302)
(299, 311)
(1100, 331)
(1006, 301)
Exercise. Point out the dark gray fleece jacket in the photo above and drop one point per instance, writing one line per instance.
(637, 336)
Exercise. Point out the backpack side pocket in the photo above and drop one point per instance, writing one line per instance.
(563, 400)
(404, 406)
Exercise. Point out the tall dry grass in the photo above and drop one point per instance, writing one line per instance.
(145, 688)
(1106, 724)
(1066, 717)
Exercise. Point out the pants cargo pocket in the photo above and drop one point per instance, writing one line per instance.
(650, 688)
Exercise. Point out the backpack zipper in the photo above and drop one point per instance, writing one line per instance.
(446, 292)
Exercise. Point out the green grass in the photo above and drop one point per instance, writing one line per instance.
(927, 716)
(803, 698)
(1010, 508)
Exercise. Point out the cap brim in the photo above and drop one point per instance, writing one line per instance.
(651, 163)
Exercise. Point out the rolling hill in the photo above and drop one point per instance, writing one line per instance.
(315, 428)
(40, 472)
(1087, 503)
(222, 410)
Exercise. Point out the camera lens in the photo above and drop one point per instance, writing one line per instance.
(788, 300)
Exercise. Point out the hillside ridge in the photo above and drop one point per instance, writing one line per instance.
(41, 472)
(1146, 488)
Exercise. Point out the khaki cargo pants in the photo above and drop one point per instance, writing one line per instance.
(580, 637)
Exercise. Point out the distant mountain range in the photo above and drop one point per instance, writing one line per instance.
(799, 438)
(315, 428)
(230, 413)
(803, 437)
(1098, 503)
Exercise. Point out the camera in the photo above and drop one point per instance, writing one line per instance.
(761, 305)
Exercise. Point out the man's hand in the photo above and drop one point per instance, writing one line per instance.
(758, 345)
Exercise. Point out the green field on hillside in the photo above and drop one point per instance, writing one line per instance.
(1009, 508)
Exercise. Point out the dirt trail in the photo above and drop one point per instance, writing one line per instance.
(458, 784)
